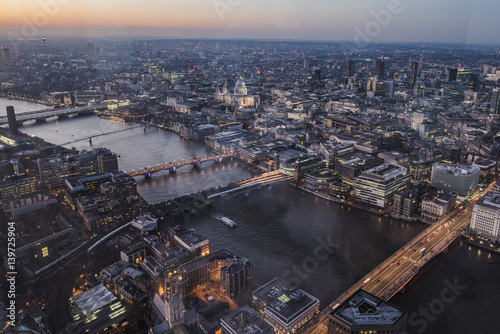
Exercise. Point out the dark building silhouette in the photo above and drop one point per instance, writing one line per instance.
(451, 74)
(4, 54)
(11, 117)
(380, 68)
(350, 68)
(414, 73)
(316, 78)
(495, 101)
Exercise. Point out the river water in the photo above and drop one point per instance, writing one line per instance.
(280, 228)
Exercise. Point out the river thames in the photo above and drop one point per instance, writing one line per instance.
(279, 228)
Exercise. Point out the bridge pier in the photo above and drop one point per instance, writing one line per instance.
(41, 120)
(62, 116)
(148, 175)
(172, 170)
(218, 160)
(445, 250)
(197, 164)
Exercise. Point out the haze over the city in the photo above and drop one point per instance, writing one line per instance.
(409, 21)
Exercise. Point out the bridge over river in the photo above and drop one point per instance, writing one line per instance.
(172, 166)
(43, 115)
(392, 275)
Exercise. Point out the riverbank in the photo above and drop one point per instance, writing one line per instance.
(362, 207)
(481, 243)
(24, 98)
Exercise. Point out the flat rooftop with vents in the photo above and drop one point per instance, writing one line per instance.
(366, 311)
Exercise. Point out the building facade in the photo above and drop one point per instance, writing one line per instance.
(462, 179)
(406, 202)
(434, 208)
(286, 309)
(239, 98)
(222, 269)
(54, 170)
(485, 220)
(377, 186)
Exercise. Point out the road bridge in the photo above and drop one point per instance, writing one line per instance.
(392, 275)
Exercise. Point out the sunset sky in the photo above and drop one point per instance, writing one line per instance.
(461, 21)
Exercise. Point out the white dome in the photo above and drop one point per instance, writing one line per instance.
(240, 84)
(240, 88)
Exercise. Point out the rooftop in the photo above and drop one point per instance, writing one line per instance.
(491, 199)
(94, 299)
(384, 171)
(191, 237)
(283, 302)
(245, 321)
(456, 169)
(221, 254)
(363, 308)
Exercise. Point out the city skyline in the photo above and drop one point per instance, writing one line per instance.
(233, 166)
(392, 21)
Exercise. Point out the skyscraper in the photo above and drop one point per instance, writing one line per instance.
(380, 68)
(316, 78)
(4, 54)
(414, 73)
(350, 68)
(463, 74)
(306, 63)
(11, 117)
(495, 101)
(451, 74)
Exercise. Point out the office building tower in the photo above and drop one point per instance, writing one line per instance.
(406, 202)
(53, 170)
(380, 68)
(414, 74)
(316, 78)
(462, 179)
(495, 101)
(485, 220)
(464, 75)
(365, 313)
(4, 54)
(451, 74)
(285, 308)
(13, 189)
(11, 118)
(350, 68)
(377, 186)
